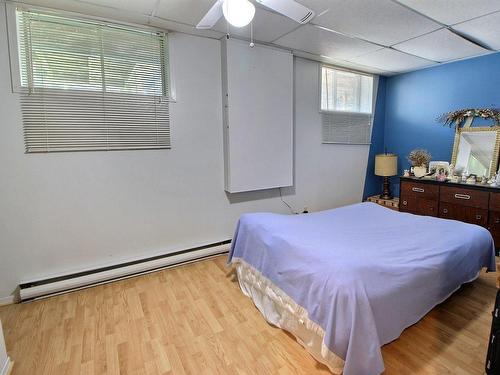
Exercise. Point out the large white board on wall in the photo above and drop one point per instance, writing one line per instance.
(257, 92)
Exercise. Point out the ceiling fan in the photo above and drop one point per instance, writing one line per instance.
(240, 13)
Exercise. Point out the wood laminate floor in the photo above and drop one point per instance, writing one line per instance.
(194, 320)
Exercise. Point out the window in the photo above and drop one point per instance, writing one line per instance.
(346, 106)
(345, 91)
(87, 85)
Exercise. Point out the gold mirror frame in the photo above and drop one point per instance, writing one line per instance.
(459, 131)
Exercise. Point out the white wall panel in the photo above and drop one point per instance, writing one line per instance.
(258, 100)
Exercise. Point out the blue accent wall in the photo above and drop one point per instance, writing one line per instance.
(414, 100)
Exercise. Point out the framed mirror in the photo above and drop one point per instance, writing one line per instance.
(476, 151)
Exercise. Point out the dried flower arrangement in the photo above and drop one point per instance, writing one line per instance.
(419, 157)
(457, 118)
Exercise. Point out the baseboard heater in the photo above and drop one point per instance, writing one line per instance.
(37, 289)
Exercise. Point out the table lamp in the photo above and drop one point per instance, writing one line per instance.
(386, 165)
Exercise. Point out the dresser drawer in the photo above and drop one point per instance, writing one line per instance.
(460, 212)
(494, 226)
(464, 197)
(495, 219)
(420, 190)
(495, 202)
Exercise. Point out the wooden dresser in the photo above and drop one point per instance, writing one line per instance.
(476, 204)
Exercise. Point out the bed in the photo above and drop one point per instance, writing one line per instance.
(347, 281)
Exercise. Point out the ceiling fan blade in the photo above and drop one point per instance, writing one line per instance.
(212, 16)
(290, 8)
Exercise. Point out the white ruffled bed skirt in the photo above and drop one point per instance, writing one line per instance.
(280, 310)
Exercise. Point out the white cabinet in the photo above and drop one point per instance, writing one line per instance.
(257, 90)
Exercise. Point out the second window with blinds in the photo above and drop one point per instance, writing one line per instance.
(86, 85)
(346, 106)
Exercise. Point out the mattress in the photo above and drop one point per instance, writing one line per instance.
(354, 277)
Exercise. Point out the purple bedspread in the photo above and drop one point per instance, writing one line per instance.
(363, 272)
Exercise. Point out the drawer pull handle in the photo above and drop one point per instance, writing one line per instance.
(497, 220)
(462, 196)
(417, 190)
(445, 211)
(478, 217)
(405, 203)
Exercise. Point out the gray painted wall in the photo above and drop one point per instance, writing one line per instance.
(71, 211)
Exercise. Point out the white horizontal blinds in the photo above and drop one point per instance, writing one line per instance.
(345, 127)
(346, 105)
(89, 86)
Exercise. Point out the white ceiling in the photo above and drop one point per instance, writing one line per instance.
(450, 12)
(441, 45)
(485, 29)
(319, 41)
(378, 36)
(379, 21)
(267, 26)
(392, 60)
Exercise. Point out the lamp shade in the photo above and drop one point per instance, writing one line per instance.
(386, 165)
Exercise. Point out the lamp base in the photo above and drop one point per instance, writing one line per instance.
(386, 193)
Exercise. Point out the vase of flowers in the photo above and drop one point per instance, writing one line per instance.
(419, 159)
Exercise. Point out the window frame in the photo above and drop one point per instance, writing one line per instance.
(13, 45)
(115, 133)
(320, 88)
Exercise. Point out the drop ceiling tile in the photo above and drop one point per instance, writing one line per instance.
(483, 29)
(267, 26)
(142, 7)
(183, 28)
(391, 60)
(319, 41)
(183, 11)
(342, 63)
(317, 6)
(442, 45)
(450, 12)
(92, 9)
(382, 21)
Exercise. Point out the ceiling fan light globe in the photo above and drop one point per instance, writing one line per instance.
(238, 13)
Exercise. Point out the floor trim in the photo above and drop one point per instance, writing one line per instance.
(79, 280)
(29, 284)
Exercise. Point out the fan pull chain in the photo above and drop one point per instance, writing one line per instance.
(252, 44)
